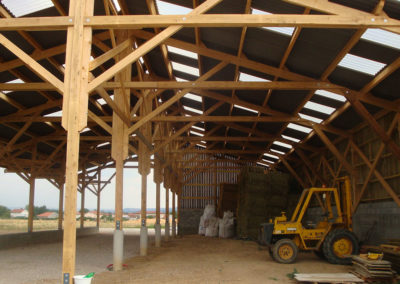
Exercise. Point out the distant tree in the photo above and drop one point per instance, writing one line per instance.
(86, 210)
(4, 212)
(37, 210)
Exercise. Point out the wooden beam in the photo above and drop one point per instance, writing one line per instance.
(32, 64)
(175, 98)
(146, 47)
(293, 172)
(217, 85)
(333, 148)
(364, 113)
(193, 19)
(334, 9)
(378, 175)
(374, 164)
(257, 66)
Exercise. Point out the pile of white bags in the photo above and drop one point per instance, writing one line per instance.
(209, 212)
(226, 225)
(212, 227)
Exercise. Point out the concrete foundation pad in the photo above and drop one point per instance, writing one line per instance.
(157, 228)
(166, 232)
(118, 250)
(143, 241)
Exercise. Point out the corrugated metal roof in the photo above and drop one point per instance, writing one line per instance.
(25, 7)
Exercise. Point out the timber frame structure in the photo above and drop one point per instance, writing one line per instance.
(254, 79)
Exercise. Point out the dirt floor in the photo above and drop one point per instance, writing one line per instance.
(197, 259)
(191, 259)
(42, 263)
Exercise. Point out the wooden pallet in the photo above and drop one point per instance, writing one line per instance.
(327, 278)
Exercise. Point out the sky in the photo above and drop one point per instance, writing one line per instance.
(14, 192)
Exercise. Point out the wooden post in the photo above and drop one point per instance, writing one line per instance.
(157, 173)
(31, 203)
(144, 170)
(98, 198)
(166, 213)
(119, 150)
(82, 219)
(60, 205)
(75, 107)
(173, 215)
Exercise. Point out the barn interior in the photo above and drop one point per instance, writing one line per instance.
(201, 92)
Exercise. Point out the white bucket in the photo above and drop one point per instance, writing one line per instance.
(79, 279)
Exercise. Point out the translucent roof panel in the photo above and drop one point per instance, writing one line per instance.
(382, 37)
(165, 8)
(193, 97)
(320, 108)
(185, 68)
(262, 164)
(282, 30)
(182, 52)
(290, 138)
(310, 118)
(198, 128)
(25, 7)
(278, 152)
(54, 114)
(116, 4)
(361, 64)
(193, 109)
(245, 108)
(196, 133)
(282, 144)
(330, 95)
(299, 128)
(271, 156)
(15, 81)
(244, 77)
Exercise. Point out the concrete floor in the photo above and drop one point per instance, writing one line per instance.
(42, 263)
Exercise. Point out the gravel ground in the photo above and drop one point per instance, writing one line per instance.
(42, 263)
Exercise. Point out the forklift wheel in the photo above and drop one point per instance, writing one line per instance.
(285, 251)
(339, 244)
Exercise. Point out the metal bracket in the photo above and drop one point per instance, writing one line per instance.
(118, 224)
(66, 278)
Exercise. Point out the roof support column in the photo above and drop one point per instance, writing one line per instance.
(157, 180)
(144, 170)
(60, 204)
(119, 150)
(75, 107)
(31, 203)
(82, 218)
(98, 198)
(173, 214)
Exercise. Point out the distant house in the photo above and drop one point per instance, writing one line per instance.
(150, 214)
(92, 215)
(48, 215)
(19, 213)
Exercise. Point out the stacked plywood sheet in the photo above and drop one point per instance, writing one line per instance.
(391, 252)
(228, 198)
(372, 270)
(327, 278)
(261, 197)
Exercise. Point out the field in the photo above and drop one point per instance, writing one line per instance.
(9, 226)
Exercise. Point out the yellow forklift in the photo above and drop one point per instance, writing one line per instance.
(330, 238)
